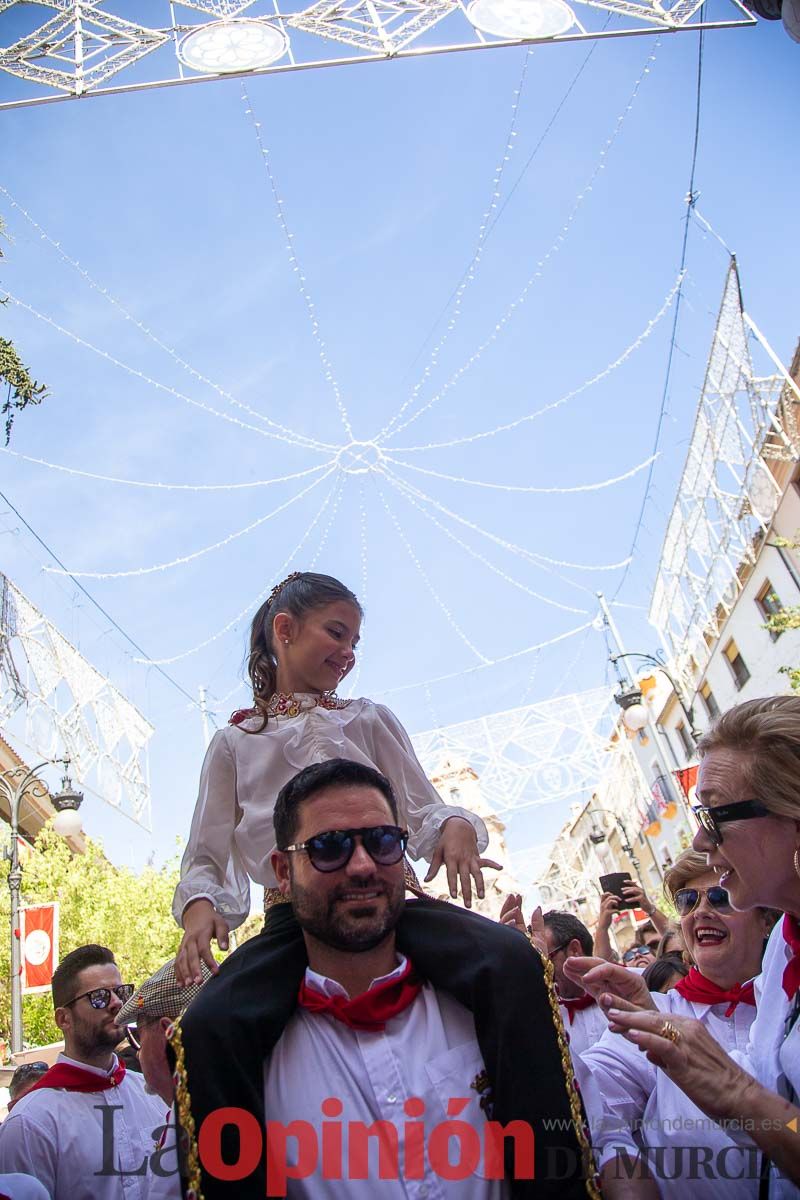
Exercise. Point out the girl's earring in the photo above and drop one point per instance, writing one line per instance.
(286, 641)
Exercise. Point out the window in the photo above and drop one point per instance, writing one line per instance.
(685, 738)
(737, 664)
(768, 604)
(710, 704)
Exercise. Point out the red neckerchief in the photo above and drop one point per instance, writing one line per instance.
(576, 1003)
(370, 1011)
(791, 974)
(76, 1079)
(695, 986)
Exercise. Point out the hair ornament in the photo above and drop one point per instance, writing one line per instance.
(276, 591)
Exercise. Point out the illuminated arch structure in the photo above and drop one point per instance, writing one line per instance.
(75, 48)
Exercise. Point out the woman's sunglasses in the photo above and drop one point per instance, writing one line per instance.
(636, 952)
(330, 851)
(710, 819)
(687, 899)
(101, 997)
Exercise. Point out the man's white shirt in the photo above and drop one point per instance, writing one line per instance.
(79, 1148)
(588, 1026)
(429, 1053)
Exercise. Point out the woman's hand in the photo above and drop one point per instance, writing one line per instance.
(511, 914)
(201, 924)
(607, 981)
(457, 849)
(692, 1059)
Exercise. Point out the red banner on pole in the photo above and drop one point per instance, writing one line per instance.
(687, 778)
(38, 931)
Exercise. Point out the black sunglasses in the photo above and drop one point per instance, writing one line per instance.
(687, 899)
(132, 1034)
(26, 1068)
(101, 997)
(710, 819)
(556, 949)
(330, 851)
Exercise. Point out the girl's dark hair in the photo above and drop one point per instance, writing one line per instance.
(662, 970)
(297, 595)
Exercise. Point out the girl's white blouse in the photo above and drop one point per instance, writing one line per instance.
(232, 835)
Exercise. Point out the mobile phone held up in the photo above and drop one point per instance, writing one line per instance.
(614, 883)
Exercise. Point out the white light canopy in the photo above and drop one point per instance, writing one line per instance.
(239, 44)
(513, 19)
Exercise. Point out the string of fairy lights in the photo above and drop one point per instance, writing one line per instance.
(375, 461)
(475, 261)
(555, 247)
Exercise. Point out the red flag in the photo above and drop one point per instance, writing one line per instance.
(687, 778)
(38, 932)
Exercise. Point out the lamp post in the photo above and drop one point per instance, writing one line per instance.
(635, 714)
(597, 837)
(656, 661)
(15, 784)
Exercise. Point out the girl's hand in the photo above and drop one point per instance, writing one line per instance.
(691, 1058)
(201, 923)
(599, 978)
(457, 849)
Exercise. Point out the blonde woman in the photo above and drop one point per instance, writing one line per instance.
(749, 816)
(640, 1118)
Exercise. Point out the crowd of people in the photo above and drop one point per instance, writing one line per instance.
(372, 1038)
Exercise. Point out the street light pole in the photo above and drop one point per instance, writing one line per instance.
(654, 661)
(626, 841)
(651, 726)
(27, 779)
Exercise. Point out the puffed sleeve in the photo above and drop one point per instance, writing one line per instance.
(425, 811)
(211, 866)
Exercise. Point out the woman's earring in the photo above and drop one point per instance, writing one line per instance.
(797, 861)
(286, 641)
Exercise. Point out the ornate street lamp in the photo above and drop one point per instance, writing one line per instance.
(15, 784)
(629, 706)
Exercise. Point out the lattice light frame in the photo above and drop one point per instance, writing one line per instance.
(86, 44)
(727, 494)
(545, 753)
(70, 708)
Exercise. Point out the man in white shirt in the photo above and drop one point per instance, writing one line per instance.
(567, 937)
(370, 1072)
(87, 1129)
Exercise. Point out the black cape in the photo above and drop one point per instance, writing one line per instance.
(222, 1040)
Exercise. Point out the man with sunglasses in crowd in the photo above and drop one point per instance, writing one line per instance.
(567, 937)
(86, 1129)
(349, 1025)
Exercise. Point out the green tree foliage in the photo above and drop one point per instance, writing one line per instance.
(21, 388)
(129, 913)
(787, 618)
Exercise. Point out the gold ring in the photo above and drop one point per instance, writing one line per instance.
(669, 1031)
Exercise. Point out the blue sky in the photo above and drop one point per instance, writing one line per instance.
(384, 173)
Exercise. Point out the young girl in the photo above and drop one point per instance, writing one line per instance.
(302, 644)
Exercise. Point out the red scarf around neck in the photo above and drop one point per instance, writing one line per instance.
(370, 1011)
(791, 974)
(76, 1079)
(576, 1004)
(695, 986)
